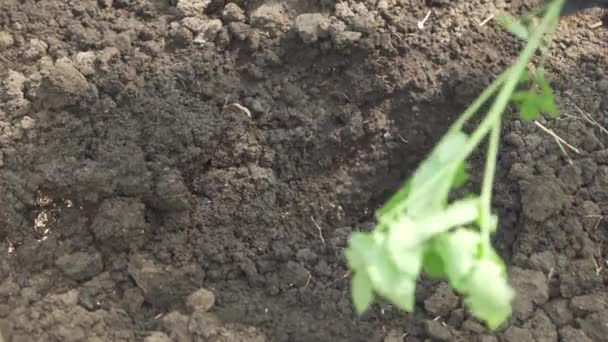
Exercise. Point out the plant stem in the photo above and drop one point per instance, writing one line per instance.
(479, 101)
(509, 80)
(498, 107)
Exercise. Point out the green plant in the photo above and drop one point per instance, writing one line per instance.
(420, 230)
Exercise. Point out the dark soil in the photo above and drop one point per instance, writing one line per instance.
(191, 170)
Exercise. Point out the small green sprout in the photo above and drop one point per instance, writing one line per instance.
(420, 230)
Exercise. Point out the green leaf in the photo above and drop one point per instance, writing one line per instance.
(359, 251)
(433, 263)
(362, 292)
(458, 250)
(462, 175)
(397, 198)
(546, 101)
(514, 26)
(528, 111)
(489, 294)
(428, 178)
(405, 247)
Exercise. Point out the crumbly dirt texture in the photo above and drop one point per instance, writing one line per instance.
(191, 170)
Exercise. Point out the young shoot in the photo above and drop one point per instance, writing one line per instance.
(420, 230)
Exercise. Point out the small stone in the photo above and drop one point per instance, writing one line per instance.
(85, 62)
(193, 24)
(531, 289)
(362, 23)
(157, 336)
(456, 318)
(346, 38)
(516, 334)
(9, 288)
(393, 336)
(87, 300)
(182, 36)
(541, 198)
(210, 31)
(201, 300)
(595, 326)
(442, 302)
(568, 333)
(27, 123)
(123, 42)
(599, 187)
(269, 16)
(311, 26)
(192, 7)
(63, 86)
(172, 193)
(105, 3)
(488, 338)
(176, 324)
(579, 278)
(133, 299)
(543, 261)
(107, 54)
(232, 12)
(438, 331)
(541, 327)
(6, 40)
(473, 326)
(602, 85)
(80, 265)
(36, 49)
(571, 178)
(559, 311)
(161, 286)
(586, 304)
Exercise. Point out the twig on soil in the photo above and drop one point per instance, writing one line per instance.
(557, 137)
(590, 119)
(421, 22)
(240, 107)
(486, 20)
(561, 147)
(319, 229)
(308, 280)
(346, 275)
(596, 25)
(551, 273)
(403, 139)
(599, 220)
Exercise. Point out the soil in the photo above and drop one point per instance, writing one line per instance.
(191, 170)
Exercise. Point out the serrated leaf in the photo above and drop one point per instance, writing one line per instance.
(528, 111)
(546, 102)
(514, 26)
(367, 253)
(458, 250)
(489, 294)
(362, 291)
(522, 96)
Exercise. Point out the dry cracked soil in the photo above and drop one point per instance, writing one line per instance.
(191, 170)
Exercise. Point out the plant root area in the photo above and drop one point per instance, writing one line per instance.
(192, 170)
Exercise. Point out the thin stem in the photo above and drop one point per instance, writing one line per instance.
(501, 103)
(512, 76)
(479, 101)
(488, 181)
